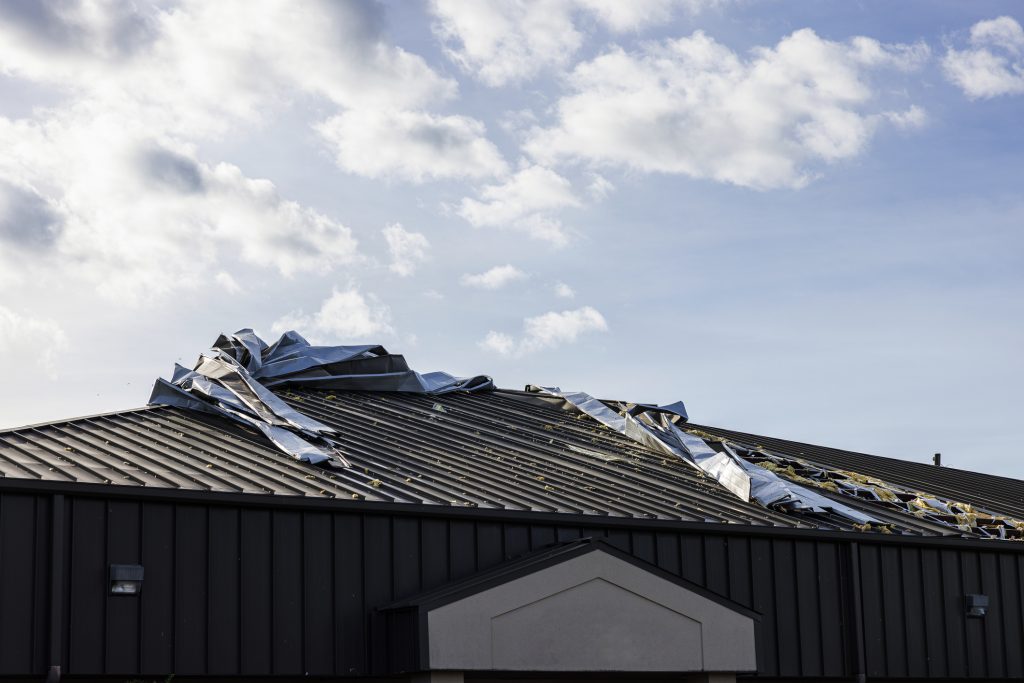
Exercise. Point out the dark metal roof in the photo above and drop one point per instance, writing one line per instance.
(489, 450)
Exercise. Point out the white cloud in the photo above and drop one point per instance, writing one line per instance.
(694, 107)
(524, 202)
(110, 183)
(229, 283)
(138, 218)
(32, 340)
(408, 249)
(636, 15)
(547, 331)
(993, 65)
(499, 343)
(515, 121)
(495, 278)
(600, 187)
(502, 42)
(413, 146)
(29, 223)
(1003, 32)
(914, 117)
(196, 66)
(564, 291)
(345, 317)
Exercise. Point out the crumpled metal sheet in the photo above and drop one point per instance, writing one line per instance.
(721, 466)
(291, 360)
(233, 379)
(770, 489)
(955, 515)
(657, 427)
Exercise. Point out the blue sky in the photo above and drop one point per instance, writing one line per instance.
(802, 219)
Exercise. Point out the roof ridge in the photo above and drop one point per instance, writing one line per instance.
(67, 420)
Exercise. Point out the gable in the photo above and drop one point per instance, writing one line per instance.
(592, 612)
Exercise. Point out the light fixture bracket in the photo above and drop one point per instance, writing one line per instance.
(976, 604)
(126, 579)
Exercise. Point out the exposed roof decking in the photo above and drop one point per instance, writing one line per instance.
(1003, 495)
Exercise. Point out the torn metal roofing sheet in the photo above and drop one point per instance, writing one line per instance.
(657, 428)
(990, 506)
(779, 482)
(234, 379)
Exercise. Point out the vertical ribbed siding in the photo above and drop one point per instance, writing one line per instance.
(911, 633)
(24, 585)
(248, 591)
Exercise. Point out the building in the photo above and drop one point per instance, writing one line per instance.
(488, 535)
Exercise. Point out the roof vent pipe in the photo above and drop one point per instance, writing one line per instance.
(937, 459)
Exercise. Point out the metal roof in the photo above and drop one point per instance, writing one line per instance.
(488, 450)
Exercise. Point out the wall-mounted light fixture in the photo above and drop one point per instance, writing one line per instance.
(126, 579)
(976, 604)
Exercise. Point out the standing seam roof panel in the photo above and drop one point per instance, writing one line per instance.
(488, 450)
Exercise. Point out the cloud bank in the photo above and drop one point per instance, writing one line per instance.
(694, 107)
(501, 42)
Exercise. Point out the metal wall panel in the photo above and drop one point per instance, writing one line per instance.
(246, 591)
(156, 603)
(249, 590)
(224, 590)
(24, 548)
(916, 624)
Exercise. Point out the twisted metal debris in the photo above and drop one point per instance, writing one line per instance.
(233, 379)
(657, 427)
(953, 514)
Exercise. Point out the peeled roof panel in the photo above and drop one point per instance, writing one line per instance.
(234, 377)
(888, 499)
(657, 429)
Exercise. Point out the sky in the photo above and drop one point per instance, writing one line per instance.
(803, 219)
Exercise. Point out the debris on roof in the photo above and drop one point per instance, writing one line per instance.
(776, 481)
(956, 515)
(656, 427)
(494, 450)
(234, 379)
(314, 403)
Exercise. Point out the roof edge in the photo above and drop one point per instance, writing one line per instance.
(493, 515)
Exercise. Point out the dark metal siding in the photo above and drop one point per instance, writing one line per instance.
(24, 591)
(247, 590)
(915, 624)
